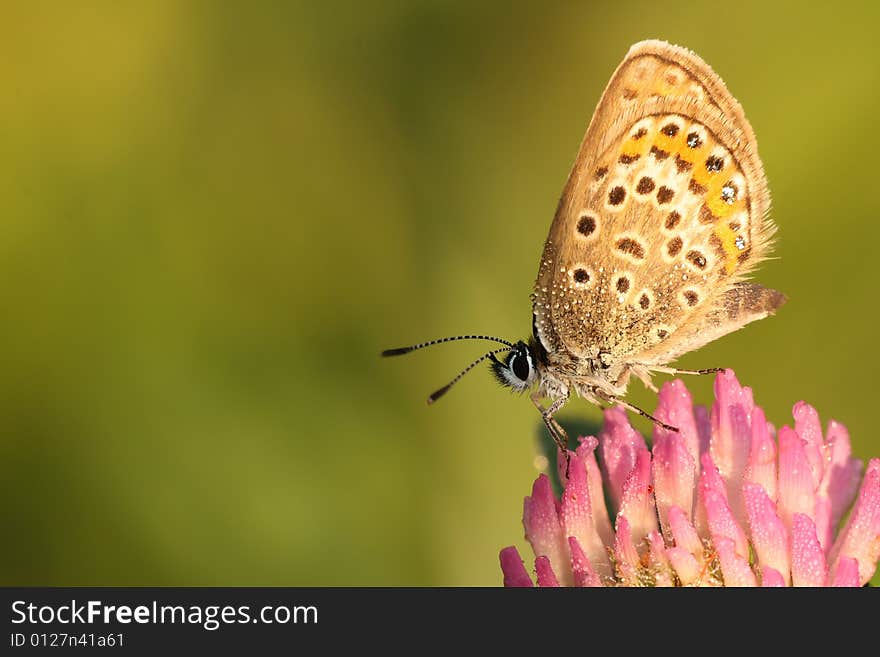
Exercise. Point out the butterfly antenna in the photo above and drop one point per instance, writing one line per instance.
(442, 391)
(405, 350)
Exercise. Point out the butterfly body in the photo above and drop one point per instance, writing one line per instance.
(662, 218)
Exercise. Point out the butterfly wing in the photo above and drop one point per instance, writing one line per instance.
(663, 214)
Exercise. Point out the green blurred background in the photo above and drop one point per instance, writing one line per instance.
(215, 215)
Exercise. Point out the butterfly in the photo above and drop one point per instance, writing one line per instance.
(663, 217)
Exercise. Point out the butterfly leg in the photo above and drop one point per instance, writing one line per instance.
(557, 433)
(614, 399)
(643, 374)
(674, 371)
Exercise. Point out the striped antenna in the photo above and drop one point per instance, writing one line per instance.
(405, 350)
(442, 391)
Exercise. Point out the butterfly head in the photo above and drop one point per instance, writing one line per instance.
(518, 369)
(515, 365)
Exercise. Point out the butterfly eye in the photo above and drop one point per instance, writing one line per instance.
(517, 371)
(520, 366)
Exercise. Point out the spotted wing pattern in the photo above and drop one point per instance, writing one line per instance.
(664, 212)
